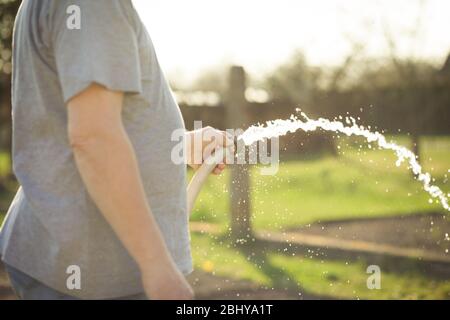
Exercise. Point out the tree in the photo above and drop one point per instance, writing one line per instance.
(445, 70)
(413, 76)
(294, 82)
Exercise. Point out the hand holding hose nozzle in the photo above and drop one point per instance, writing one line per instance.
(208, 150)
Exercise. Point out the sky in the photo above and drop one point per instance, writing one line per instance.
(191, 36)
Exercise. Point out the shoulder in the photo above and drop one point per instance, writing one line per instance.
(91, 9)
(92, 14)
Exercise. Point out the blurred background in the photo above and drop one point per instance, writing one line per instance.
(337, 205)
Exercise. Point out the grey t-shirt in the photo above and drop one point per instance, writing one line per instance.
(53, 223)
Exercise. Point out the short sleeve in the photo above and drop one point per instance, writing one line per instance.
(102, 48)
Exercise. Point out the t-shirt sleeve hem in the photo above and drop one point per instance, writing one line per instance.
(76, 87)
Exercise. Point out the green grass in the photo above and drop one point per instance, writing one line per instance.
(359, 183)
(7, 190)
(4, 163)
(310, 276)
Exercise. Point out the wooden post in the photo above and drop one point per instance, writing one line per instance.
(237, 118)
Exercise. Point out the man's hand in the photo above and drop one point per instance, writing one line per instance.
(201, 143)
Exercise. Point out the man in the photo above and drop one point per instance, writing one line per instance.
(101, 211)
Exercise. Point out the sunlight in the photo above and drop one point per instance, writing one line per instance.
(193, 35)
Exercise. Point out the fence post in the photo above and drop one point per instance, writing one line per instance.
(237, 118)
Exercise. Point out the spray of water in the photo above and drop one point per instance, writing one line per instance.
(277, 128)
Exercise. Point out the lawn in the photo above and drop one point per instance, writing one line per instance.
(6, 191)
(301, 274)
(360, 182)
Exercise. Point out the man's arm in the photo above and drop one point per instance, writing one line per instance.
(107, 163)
